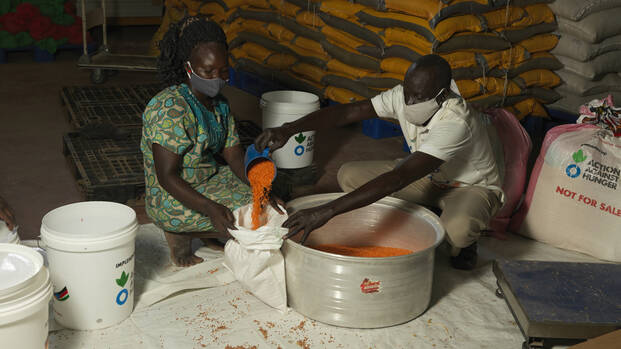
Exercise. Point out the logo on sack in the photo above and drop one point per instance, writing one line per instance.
(62, 295)
(122, 296)
(368, 286)
(593, 171)
(574, 170)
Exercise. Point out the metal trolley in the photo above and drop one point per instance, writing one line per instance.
(103, 62)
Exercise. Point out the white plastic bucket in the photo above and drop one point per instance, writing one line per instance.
(287, 106)
(25, 292)
(90, 250)
(7, 236)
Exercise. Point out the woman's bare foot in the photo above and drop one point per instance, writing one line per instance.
(181, 250)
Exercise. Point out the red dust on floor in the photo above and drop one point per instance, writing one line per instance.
(263, 332)
(300, 326)
(303, 343)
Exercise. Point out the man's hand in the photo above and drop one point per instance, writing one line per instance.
(274, 138)
(307, 221)
(277, 203)
(221, 217)
(325, 118)
(6, 214)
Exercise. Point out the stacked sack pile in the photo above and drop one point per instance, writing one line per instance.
(590, 50)
(348, 51)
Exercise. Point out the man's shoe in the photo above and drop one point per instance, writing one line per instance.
(466, 259)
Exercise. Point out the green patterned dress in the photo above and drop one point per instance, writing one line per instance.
(177, 121)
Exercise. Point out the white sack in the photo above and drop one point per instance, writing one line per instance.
(609, 62)
(577, 85)
(580, 50)
(578, 9)
(571, 103)
(593, 28)
(254, 256)
(573, 199)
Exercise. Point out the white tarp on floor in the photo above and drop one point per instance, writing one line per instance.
(203, 307)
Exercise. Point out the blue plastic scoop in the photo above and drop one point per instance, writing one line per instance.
(253, 156)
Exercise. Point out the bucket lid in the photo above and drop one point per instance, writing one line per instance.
(19, 265)
(25, 283)
(89, 226)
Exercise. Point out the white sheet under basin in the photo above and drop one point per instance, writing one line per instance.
(464, 311)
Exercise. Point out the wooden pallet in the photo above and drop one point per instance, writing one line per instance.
(121, 106)
(117, 106)
(106, 169)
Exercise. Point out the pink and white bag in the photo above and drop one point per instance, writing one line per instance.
(573, 200)
(516, 146)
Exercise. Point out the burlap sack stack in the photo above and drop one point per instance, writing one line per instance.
(347, 51)
(590, 50)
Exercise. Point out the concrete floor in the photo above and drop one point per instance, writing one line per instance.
(34, 176)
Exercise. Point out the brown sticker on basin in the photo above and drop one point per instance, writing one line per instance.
(368, 286)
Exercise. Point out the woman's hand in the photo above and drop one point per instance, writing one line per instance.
(274, 138)
(307, 221)
(6, 214)
(221, 217)
(167, 168)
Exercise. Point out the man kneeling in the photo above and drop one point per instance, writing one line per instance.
(451, 165)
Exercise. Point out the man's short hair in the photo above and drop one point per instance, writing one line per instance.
(438, 66)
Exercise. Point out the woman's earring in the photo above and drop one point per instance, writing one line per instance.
(188, 69)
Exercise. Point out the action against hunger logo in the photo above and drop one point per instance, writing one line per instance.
(573, 170)
(593, 171)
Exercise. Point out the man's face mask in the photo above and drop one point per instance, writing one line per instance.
(419, 113)
(209, 87)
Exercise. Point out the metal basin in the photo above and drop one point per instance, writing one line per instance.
(361, 292)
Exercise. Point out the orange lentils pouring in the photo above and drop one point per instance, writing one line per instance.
(362, 251)
(260, 176)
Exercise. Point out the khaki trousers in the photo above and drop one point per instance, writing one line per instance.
(466, 211)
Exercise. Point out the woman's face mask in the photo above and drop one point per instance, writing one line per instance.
(419, 113)
(209, 87)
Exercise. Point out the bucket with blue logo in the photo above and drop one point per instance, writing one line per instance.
(280, 107)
